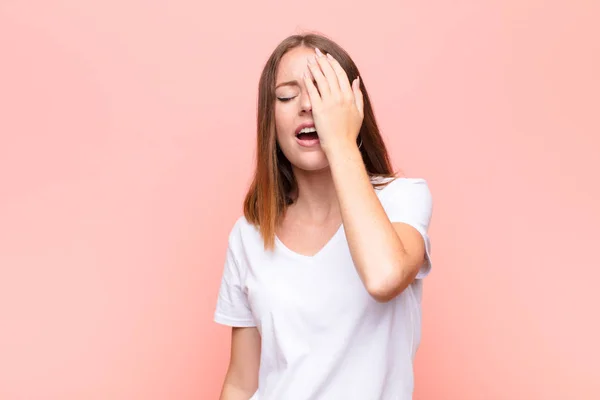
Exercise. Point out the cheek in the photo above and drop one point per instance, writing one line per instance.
(283, 122)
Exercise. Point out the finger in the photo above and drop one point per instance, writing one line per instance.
(342, 77)
(329, 73)
(316, 72)
(358, 96)
(313, 93)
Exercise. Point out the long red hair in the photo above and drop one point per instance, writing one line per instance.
(270, 192)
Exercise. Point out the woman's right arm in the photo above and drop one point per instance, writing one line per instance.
(241, 380)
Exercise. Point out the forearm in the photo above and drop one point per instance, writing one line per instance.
(377, 251)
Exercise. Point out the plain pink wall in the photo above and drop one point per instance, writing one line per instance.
(127, 134)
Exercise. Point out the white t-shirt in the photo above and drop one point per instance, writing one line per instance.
(323, 336)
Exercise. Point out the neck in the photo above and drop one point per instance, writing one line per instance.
(317, 199)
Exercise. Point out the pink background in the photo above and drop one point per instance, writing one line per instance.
(127, 134)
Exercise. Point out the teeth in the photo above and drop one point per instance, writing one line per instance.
(307, 130)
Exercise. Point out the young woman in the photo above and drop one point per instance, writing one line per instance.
(323, 273)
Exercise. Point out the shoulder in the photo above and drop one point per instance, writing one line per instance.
(402, 187)
(406, 200)
(242, 232)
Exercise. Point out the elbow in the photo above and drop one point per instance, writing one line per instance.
(382, 293)
(389, 285)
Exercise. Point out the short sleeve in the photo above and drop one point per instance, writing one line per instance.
(232, 303)
(409, 201)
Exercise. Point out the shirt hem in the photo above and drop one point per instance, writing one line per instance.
(234, 322)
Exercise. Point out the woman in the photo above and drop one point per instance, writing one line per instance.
(323, 273)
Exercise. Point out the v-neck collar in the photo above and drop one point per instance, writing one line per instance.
(327, 244)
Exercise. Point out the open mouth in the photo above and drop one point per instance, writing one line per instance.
(308, 134)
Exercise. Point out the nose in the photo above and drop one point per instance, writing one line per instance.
(305, 105)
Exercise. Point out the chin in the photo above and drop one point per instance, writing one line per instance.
(314, 161)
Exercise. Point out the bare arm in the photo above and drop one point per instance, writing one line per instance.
(241, 380)
(387, 255)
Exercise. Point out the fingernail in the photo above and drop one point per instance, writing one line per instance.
(319, 52)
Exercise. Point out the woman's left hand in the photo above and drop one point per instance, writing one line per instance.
(337, 105)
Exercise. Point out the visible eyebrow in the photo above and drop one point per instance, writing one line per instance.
(288, 83)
